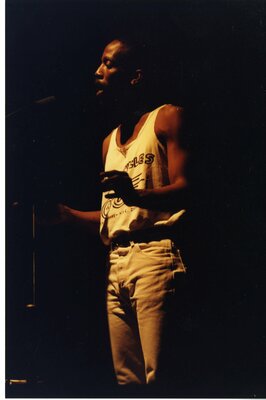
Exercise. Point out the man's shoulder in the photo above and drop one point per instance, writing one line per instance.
(170, 110)
(105, 145)
(169, 119)
(107, 138)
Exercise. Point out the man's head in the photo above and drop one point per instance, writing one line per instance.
(120, 70)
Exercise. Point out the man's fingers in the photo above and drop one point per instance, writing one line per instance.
(107, 184)
(111, 195)
(114, 182)
(107, 174)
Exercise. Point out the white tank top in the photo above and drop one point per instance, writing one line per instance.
(145, 161)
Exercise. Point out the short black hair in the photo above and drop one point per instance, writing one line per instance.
(136, 52)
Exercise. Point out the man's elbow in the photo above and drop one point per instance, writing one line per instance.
(181, 183)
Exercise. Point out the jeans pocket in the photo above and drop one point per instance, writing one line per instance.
(159, 252)
(178, 264)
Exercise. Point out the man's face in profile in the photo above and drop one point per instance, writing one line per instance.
(112, 78)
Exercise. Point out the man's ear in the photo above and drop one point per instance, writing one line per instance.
(137, 78)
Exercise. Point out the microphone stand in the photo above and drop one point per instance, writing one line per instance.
(33, 303)
(43, 101)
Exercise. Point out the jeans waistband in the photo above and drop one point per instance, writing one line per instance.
(125, 239)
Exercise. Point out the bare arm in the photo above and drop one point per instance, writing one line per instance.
(169, 129)
(62, 214)
(88, 219)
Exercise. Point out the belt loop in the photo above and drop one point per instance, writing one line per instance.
(173, 245)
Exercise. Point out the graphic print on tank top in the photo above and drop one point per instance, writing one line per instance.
(145, 161)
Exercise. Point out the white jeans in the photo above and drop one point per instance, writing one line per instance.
(141, 280)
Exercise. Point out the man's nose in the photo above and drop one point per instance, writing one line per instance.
(98, 73)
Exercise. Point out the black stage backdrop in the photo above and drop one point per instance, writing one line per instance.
(210, 60)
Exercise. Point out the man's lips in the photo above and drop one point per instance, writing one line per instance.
(98, 84)
(99, 87)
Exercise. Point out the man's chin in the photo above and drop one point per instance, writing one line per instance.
(101, 97)
(99, 92)
(105, 97)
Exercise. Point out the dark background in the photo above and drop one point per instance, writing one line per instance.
(210, 59)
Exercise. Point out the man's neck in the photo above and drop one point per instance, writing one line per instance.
(126, 112)
(129, 107)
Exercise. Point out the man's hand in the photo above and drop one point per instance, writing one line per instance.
(121, 185)
(52, 214)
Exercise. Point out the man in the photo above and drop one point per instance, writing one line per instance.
(144, 197)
